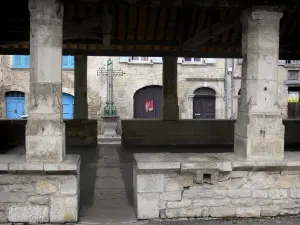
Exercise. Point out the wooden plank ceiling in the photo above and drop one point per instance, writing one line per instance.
(149, 31)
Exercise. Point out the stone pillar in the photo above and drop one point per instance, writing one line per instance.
(45, 130)
(80, 86)
(170, 109)
(259, 132)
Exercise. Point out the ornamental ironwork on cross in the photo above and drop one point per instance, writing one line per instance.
(110, 73)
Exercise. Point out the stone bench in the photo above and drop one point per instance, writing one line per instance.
(183, 185)
(39, 192)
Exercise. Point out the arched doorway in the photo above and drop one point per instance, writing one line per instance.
(15, 104)
(68, 106)
(147, 102)
(204, 103)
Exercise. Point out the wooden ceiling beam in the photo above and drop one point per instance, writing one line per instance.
(217, 29)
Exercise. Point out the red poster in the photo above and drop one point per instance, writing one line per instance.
(149, 105)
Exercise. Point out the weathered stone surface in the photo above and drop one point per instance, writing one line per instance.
(3, 217)
(38, 200)
(222, 212)
(179, 204)
(45, 187)
(248, 212)
(271, 210)
(150, 183)
(27, 188)
(295, 193)
(210, 202)
(28, 213)
(260, 194)
(64, 209)
(240, 193)
(69, 186)
(10, 197)
(2, 207)
(171, 196)
(173, 186)
(147, 205)
(278, 193)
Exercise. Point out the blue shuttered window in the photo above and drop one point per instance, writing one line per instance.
(23, 61)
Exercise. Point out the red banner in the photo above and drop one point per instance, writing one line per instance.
(149, 105)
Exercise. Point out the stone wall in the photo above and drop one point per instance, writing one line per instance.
(191, 132)
(78, 132)
(185, 186)
(81, 132)
(39, 193)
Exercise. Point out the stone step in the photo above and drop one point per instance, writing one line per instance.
(109, 172)
(109, 182)
(109, 194)
(110, 162)
(109, 215)
(111, 203)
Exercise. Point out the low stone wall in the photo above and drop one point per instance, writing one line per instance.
(219, 185)
(78, 132)
(81, 132)
(142, 132)
(39, 193)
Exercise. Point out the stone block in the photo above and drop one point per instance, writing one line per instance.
(286, 182)
(71, 163)
(248, 212)
(260, 194)
(13, 197)
(27, 188)
(2, 207)
(147, 205)
(187, 212)
(28, 213)
(64, 209)
(179, 204)
(240, 193)
(171, 196)
(173, 186)
(294, 193)
(195, 193)
(210, 202)
(45, 187)
(271, 210)
(7, 179)
(69, 186)
(3, 217)
(38, 200)
(278, 193)
(222, 212)
(150, 183)
(186, 179)
(244, 202)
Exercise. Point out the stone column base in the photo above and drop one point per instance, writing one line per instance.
(33, 196)
(45, 141)
(109, 135)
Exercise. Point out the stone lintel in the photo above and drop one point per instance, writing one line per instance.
(226, 162)
(14, 163)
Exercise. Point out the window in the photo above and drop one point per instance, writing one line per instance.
(23, 61)
(293, 62)
(68, 62)
(293, 74)
(192, 60)
(139, 59)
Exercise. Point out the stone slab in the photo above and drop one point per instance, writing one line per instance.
(157, 161)
(19, 163)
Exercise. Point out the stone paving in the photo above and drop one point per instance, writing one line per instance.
(110, 201)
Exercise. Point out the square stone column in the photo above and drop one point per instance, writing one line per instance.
(80, 86)
(259, 132)
(45, 130)
(170, 109)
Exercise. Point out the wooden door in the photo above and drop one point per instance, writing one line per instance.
(147, 102)
(204, 107)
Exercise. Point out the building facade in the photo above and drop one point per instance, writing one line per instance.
(203, 89)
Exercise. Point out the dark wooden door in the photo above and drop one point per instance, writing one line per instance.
(204, 107)
(148, 95)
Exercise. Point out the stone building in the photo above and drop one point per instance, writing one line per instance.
(196, 77)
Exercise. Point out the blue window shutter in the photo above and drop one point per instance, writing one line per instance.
(65, 61)
(124, 59)
(71, 60)
(26, 61)
(156, 59)
(17, 61)
(210, 60)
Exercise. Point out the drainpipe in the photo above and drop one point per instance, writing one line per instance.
(226, 88)
(232, 90)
